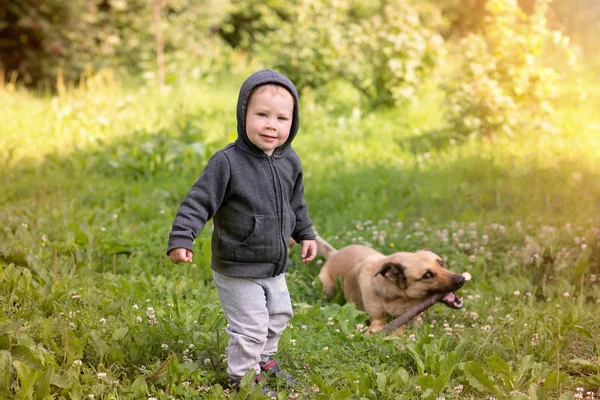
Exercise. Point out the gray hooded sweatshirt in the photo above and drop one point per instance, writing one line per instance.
(256, 201)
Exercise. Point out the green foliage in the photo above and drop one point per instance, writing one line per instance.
(384, 49)
(246, 22)
(90, 304)
(50, 40)
(502, 87)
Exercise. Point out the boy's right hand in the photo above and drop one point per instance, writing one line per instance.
(180, 255)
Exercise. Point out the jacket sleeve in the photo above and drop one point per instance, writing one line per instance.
(303, 229)
(201, 203)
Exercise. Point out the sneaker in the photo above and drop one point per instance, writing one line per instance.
(272, 370)
(235, 385)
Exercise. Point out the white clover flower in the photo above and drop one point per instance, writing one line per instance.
(293, 342)
(138, 319)
(44, 238)
(164, 346)
(135, 307)
(77, 363)
(412, 337)
(101, 375)
(467, 276)
(325, 348)
(102, 321)
(517, 293)
(207, 361)
(566, 294)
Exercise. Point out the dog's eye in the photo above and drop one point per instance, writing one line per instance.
(427, 275)
(441, 262)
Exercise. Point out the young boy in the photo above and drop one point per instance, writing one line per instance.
(253, 190)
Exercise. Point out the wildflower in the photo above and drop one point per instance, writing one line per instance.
(115, 217)
(24, 225)
(472, 258)
(164, 346)
(151, 398)
(102, 321)
(75, 296)
(330, 321)
(138, 319)
(487, 328)
(77, 363)
(186, 383)
(418, 388)
(307, 366)
(293, 395)
(566, 294)
(170, 305)
(467, 276)
(325, 348)
(102, 229)
(91, 396)
(350, 336)
(593, 277)
(136, 307)
(44, 238)
(73, 325)
(293, 342)
(517, 293)
(303, 327)
(458, 389)
(101, 375)
(412, 337)
(207, 361)
(315, 388)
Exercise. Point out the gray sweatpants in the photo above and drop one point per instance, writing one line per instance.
(257, 311)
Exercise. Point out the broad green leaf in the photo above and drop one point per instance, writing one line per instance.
(26, 356)
(4, 342)
(42, 387)
(61, 381)
(119, 333)
(478, 378)
(27, 379)
(139, 386)
(381, 382)
(343, 394)
(417, 358)
(5, 362)
(13, 325)
(498, 365)
(536, 392)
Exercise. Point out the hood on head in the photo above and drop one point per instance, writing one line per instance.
(266, 76)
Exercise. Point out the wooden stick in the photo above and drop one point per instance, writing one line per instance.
(411, 313)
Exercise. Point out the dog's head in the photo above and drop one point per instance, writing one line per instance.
(421, 274)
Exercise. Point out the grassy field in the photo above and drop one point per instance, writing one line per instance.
(91, 308)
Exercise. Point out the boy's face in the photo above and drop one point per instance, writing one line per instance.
(269, 117)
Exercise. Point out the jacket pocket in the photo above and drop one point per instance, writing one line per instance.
(263, 244)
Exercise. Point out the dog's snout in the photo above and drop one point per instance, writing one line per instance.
(459, 280)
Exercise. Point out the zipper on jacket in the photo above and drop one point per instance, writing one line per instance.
(279, 200)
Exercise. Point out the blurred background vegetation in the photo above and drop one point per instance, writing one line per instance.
(41, 40)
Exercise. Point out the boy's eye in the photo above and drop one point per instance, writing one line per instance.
(261, 114)
(283, 118)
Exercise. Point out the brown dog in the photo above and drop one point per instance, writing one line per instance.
(386, 285)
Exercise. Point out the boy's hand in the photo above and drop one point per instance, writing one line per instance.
(180, 255)
(309, 250)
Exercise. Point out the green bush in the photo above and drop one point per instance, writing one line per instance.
(502, 85)
(384, 49)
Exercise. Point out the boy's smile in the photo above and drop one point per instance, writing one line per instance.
(269, 117)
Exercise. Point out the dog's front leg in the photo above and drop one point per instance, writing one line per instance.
(376, 325)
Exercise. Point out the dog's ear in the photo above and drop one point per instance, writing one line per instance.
(393, 272)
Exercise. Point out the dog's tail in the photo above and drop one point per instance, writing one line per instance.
(324, 248)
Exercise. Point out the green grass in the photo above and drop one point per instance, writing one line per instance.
(91, 181)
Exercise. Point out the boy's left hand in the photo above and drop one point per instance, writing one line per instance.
(309, 250)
